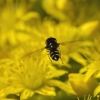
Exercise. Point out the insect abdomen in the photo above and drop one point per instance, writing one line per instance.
(54, 54)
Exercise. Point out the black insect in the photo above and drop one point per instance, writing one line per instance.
(52, 46)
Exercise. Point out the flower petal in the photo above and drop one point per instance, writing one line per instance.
(57, 73)
(66, 87)
(97, 90)
(13, 90)
(47, 90)
(26, 94)
(92, 69)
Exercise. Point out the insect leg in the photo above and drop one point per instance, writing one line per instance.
(49, 57)
(60, 56)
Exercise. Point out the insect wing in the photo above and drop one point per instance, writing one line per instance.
(72, 45)
(35, 54)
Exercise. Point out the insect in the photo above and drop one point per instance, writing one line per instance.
(52, 46)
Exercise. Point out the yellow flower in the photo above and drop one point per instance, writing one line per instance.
(93, 69)
(2, 95)
(93, 56)
(72, 11)
(79, 85)
(30, 76)
(13, 18)
(3, 83)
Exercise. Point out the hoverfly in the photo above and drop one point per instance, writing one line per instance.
(52, 46)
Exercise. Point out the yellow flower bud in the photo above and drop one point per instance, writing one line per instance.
(80, 86)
